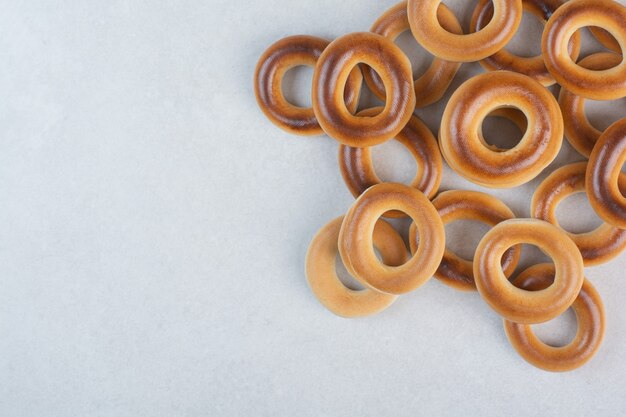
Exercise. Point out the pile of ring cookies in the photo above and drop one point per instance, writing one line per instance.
(514, 87)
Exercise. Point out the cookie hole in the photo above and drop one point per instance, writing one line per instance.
(367, 98)
(589, 45)
(500, 133)
(558, 332)
(420, 58)
(575, 214)
(402, 226)
(603, 113)
(463, 236)
(531, 255)
(393, 162)
(460, 10)
(597, 45)
(527, 40)
(296, 85)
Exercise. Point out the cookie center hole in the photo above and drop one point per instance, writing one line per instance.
(591, 41)
(367, 98)
(527, 39)
(601, 114)
(530, 255)
(296, 85)
(462, 237)
(500, 133)
(559, 331)
(393, 163)
(576, 215)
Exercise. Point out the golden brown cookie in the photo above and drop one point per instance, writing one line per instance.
(465, 149)
(331, 75)
(607, 84)
(279, 58)
(603, 175)
(516, 304)
(428, 31)
(355, 238)
(589, 311)
(596, 247)
(322, 276)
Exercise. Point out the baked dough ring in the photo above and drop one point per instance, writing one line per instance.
(322, 276)
(516, 304)
(596, 247)
(589, 311)
(575, 14)
(578, 131)
(279, 58)
(455, 205)
(466, 151)
(355, 238)
(533, 66)
(463, 48)
(329, 79)
(432, 85)
(603, 173)
(358, 171)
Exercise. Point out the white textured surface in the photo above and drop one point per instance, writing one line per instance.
(153, 228)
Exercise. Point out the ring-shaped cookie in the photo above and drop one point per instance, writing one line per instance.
(322, 275)
(515, 304)
(358, 171)
(432, 85)
(579, 132)
(355, 238)
(596, 247)
(475, 46)
(515, 116)
(466, 151)
(603, 173)
(455, 271)
(532, 66)
(606, 84)
(331, 74)
(279, 58)
(605, 38)
(589, 310)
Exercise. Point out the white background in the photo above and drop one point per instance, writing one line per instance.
(153, 228)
